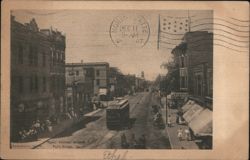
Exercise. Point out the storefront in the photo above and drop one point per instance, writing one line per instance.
(202, 128)
(192, 112)
(176, 99)
(199, 120)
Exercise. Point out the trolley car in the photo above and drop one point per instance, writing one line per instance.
(117, 114)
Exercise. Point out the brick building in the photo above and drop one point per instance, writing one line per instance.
(194, 58)
(79, 82)
(37, 74)
(98, 72)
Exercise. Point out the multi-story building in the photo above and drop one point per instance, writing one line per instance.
(194, 57)
(101, 75)
(37, 74)
(97, 72)
(79, 82)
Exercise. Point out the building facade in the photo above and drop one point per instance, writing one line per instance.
(37, 74)
(194, 57)
(97, 72)
(79, 82)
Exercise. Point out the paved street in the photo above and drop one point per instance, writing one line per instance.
(93, 133)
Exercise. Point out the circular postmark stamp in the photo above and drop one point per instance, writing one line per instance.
(129, 31)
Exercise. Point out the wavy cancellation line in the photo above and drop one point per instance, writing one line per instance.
(217, 29)
(219, 19)
(202, 41)
(216, 41)
(220, 44)
(215, 34)
(206, 29)
(239, 20)
(215, 38)
(214, 24)
(231, 18)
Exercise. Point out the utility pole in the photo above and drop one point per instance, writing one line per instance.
(159, 31)
(189, 22)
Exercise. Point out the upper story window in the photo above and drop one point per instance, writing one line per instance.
(44, 84)
(31, 83)
(30, 55)
(20, 54)
(98, 82)
(182, 61)
(20, 84)
(98, 72)
(77, 73)
(44, 59)
(36, 83)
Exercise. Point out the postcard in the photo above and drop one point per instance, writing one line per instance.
(118, 80)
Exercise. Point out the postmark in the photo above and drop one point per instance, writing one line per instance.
(129, 31)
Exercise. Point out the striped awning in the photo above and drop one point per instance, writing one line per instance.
(202, 125)
(187, 106)
(193, 111)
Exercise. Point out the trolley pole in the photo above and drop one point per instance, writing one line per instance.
(166, 109)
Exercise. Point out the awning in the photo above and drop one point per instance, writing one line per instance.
(202, 125)
(187, 106)
(169, 96)
(192, 112)
(103, 91)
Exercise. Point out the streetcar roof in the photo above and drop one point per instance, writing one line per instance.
(118, 104)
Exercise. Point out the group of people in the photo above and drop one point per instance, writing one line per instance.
(134, 144)
(35, 129)
(184, 134)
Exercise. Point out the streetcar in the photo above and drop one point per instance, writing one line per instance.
(117, 114)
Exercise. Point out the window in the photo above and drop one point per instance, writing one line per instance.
(35, 57)
(20, 84)
(183, 83)
(77, 73)
(51, 83)
(58, 83)
(199, 85)
(97, 82)
(31, 83)
(62, 57)
(182, 61)
(30, 55)
(44, 84)
(36, 83)
(20, 54)
(97, 72)
(44, 59)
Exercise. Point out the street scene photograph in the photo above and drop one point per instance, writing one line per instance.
(113, 79)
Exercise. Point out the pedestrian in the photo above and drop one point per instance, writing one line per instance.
(124, 143)
(169, 121)
(134, 142)
(187, 134)
(179, 134)
(142, 142)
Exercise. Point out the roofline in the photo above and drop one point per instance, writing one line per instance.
(87, 64)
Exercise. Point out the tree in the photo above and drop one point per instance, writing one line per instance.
(172, 77)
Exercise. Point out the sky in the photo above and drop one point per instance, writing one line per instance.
(88, 38)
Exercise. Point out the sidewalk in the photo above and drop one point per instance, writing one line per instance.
(172, 131)
(44, 137)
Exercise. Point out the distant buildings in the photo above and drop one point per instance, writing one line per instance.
(97, 72)
(37, 74)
